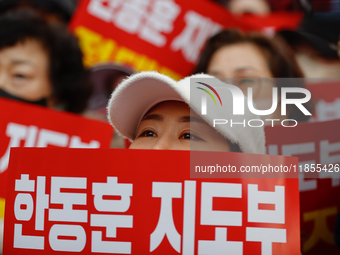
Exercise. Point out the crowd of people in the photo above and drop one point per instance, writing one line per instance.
(41, 63)
(56, 77)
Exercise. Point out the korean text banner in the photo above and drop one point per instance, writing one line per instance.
(143, 202)
(326, 96)
(317, 145)
(166, 36)
(26, 125)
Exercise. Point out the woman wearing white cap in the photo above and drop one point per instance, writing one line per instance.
(156, 112)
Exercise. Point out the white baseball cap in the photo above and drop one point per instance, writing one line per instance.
(137, 94)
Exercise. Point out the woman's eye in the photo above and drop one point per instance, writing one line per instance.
(20, 76)
(246, 81)
(188, 136)
(148, 133)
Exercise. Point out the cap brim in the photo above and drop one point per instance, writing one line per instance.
(136, 95)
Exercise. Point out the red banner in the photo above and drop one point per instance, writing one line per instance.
(101, 201)
(25, 125)
(166, 36)
(326, 95)
(313, 143)
(273, 22)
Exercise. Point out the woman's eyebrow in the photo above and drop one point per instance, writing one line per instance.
(191, 119)
(245, 68)
(21, 61)
(153, 117)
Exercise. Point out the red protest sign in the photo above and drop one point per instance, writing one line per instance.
(102, 201)
(317, 145)
(326, 95)
(273, 22)
(25, 125)
(166, 36)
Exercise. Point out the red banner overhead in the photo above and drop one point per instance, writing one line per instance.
(166, 36)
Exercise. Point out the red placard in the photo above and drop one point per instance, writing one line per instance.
(273, 22)
(102, 201)
(26, 125)
(166, 36)
(313, 143)
(326, 95)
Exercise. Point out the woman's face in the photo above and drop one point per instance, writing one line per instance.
(244, 65)
(257, 7)
(242, 60)
(170, 126)
(24, 71)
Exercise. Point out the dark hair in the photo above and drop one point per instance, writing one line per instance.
(280, 59)
(70, 84)
(60, 9)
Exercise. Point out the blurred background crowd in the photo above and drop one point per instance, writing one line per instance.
(41, 61)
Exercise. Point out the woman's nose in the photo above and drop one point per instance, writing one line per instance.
(163, 143)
